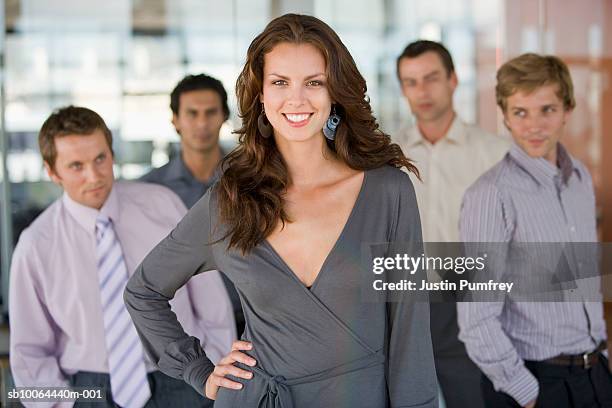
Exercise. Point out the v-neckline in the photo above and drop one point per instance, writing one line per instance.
(333, 249)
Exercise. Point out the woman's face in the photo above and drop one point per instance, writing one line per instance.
(295, 94)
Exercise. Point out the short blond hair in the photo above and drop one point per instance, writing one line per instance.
(530, 71)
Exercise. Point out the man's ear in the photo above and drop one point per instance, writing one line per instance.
(505, 115)
(453, 79)
(53, 175)
(174, 122)
(566, 114)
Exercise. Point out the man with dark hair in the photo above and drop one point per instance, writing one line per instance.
(199, 109)
(450, 155)
(420, 47)
(69, 325)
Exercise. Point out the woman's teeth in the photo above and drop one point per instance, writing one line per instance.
(297, 118)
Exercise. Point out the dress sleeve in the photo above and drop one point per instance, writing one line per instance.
(411, 375)
(33, 340)
(185, 252)
(484, 223)
(203, 305)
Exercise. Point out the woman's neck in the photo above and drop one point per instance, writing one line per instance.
(310, 163)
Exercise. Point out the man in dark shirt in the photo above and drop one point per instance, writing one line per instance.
(199, 109)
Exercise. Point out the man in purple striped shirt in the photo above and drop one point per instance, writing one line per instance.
(535, 354)
(69, 325)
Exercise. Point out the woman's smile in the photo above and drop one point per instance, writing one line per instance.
(297, 119)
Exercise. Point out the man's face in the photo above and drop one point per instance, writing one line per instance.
(427, 86)
(199, 120)
(83, 168)
(537, 121)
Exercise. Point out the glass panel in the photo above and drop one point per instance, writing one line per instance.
(120, 59)
(377, 32)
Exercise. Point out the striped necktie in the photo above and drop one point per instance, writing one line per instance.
(128, 375)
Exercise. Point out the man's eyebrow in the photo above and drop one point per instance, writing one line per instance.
(426, 76)
(432, 74)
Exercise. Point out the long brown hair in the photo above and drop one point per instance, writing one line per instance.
(251, 189)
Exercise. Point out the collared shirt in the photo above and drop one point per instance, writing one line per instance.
(447, 169)
(525, 199)
(177, 177)
(55, 310)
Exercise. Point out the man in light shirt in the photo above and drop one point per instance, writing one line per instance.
(450, 155)
(69, 326)
(536, 353)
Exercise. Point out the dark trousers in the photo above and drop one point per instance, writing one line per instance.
(458, 376)
(165, 391)
(561, 387)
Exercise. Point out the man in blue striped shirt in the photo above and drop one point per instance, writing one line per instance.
(544, 354)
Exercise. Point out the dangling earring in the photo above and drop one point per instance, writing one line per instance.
(263, 124)
(329, 130)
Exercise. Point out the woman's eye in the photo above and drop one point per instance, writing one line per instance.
(314, 83)
(279, 82)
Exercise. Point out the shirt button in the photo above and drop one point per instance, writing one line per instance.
(573, 229)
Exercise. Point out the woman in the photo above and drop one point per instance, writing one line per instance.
(286, 223)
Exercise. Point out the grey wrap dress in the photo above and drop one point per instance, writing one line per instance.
(318, 347)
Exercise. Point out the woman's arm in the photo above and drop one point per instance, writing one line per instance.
(411, 375)
(182, 254)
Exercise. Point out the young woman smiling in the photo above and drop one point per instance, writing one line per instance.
(286, 224)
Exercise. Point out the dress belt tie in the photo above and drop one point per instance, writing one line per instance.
(278, 393)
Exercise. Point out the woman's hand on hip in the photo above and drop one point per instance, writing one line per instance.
(226, 366)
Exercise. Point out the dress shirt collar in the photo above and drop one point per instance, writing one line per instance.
(86, 216)
(456, 134)
(543, 171)
(177, 169)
